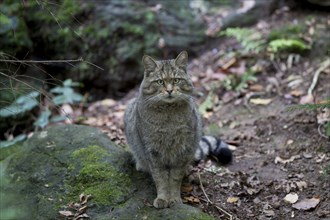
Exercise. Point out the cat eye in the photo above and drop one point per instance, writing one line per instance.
(160, 82)
(176, 81)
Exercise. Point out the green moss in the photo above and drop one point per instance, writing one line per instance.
(93, 174)
(287, 31)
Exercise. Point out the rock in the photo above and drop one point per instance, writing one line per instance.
(54, 167)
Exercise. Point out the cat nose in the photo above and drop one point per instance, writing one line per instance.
(169, 91)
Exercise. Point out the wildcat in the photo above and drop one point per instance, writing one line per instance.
(163, 128)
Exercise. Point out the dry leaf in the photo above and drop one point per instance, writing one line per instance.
(82, 197)
(308, 155)
(291, 198)
(231, 62)
(258, 101)
(256, 88)
(232, 199)
(191, 199)
(186, 188)
(307, 99)
(269, 213)
(108, 102)
(284, 161)
(301, 185)
(307, 204)
(297, 92)
(66, 213)
(83, 209)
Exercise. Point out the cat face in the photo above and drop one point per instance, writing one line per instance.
(166, 81)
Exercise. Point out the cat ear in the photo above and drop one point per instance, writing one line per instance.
(182, 59)
(149, 63)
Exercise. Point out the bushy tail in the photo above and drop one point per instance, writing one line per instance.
(215, 148)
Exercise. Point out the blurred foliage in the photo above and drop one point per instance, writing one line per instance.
(13, 141)
(207, 104)
(14, 33)
(20, 105)
(65, 94)
(110, 34)
(288, 45)
(283, 39)
(239, 82)
(292, 31)
(251, 40)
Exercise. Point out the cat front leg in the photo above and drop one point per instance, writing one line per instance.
(175, 179)
(161, 179)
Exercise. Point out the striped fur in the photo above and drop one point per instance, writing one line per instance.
(213, 148)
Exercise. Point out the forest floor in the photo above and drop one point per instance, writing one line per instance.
(277, 153)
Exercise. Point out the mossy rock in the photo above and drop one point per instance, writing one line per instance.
(55, 166)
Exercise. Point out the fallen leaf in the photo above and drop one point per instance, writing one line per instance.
(269, 213)
(289, 142)
(82, 197)
(297, 92)
(232, 199)
(256, 88)
(284, 161)
(66, 213)
(307, 99)
(108, 102)
(258, 101)
(82, 216)
(301, 185)
(307, 204)
(191, 199)
(321, 157)
(252, 191)
(186, 188)
(308, 155)
(291, 198)
(83, 209)
(231, 62)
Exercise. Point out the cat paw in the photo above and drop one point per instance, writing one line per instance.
(160, 203)
(173, 201)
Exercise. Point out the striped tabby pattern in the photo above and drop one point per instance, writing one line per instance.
(163, 127)
(214, 148)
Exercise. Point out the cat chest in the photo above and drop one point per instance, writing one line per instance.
(171, 136)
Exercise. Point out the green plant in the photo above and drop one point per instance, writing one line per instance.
(289, 45)
(21, 105)
(250, 39)
(287, 32)
(279, 41)
(239, 82)
(62, 95)
(65, 94)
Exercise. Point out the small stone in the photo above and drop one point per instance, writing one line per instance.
(291, 198)
(308, 155)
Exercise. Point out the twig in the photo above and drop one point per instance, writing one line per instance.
(202, 187)
(325, 64)
(52, 61)
(209, 201)
(320, 132)
(220, 209)
(43, 61)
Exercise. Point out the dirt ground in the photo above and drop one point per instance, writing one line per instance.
(276, 152)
